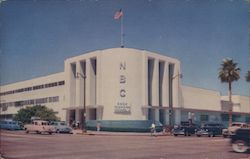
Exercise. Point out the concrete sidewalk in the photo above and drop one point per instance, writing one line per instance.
(106, 133)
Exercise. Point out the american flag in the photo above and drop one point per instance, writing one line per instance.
(118, 14)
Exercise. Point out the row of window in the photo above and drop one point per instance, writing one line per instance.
(224, 117)
(48, 85)
(30, 102)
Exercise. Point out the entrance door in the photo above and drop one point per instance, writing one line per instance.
(162, 116)
(72, 116)
(92, 114)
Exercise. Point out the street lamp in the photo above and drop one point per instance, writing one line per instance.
(78, 75)
(171, 99)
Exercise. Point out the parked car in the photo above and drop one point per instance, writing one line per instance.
(9, 125)
(61, 127)
(185, 128)
(231, 130)
(240, 140)
(39, 126)
(210, 130)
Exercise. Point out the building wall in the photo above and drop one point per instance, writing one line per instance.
(240, 103)
(13, 102)
(203, 99)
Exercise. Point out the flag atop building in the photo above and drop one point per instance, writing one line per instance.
(118, 14)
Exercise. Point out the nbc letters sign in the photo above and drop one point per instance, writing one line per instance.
(122, 107)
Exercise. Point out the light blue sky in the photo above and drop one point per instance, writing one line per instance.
(37, 35)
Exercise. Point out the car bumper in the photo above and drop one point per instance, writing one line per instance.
(65, 131)
(202, 133)
(179, 133)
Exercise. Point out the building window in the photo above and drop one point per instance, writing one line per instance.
(4, 108)
(236, 117)
(224, 117)
(18, 104)
(41, 100)
(248, 119)
(28, 89)
(61, 83)
(38, 87)
(51, 84)
(33, 88)
(31, 102)
(53, 99)
(203, 117)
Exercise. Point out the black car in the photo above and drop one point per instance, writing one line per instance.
(210, 130)
(185, 129)
(241, 140)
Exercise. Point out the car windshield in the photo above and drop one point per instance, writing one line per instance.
(211, 125)
(63, 123)
(236, 124)
(11, 122)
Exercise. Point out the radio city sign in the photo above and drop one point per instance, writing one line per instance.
(122, 107)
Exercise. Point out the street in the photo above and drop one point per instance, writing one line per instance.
(15, 145)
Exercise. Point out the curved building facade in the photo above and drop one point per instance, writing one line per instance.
(122, 84)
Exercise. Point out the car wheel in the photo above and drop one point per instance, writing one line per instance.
(50, 133)
(175, 134)
(27, 131)
(240, 146)
(210, 135)
(225, 136)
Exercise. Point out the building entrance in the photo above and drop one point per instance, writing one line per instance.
(75, 116)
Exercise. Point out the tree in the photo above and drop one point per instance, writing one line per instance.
(228, 73)
(24, 115)
(248, 76)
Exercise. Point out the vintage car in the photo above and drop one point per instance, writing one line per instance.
(9, 125)
(231, 130)
(185, 128)
(210, 129)
(240, 140)
(39, 126)
(61, 127)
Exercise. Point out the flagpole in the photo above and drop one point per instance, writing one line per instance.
(122, 34)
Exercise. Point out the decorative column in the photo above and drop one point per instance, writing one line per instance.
(88, 82)
(98, 81)
(155, 88)
(78, 84)
(144, 80)
(165, 85)
(68, 117)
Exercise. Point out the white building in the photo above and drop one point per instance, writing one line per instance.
(121, 84)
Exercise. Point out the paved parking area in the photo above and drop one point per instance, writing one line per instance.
(16, 145)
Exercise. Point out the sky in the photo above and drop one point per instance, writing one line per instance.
(36, 36)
